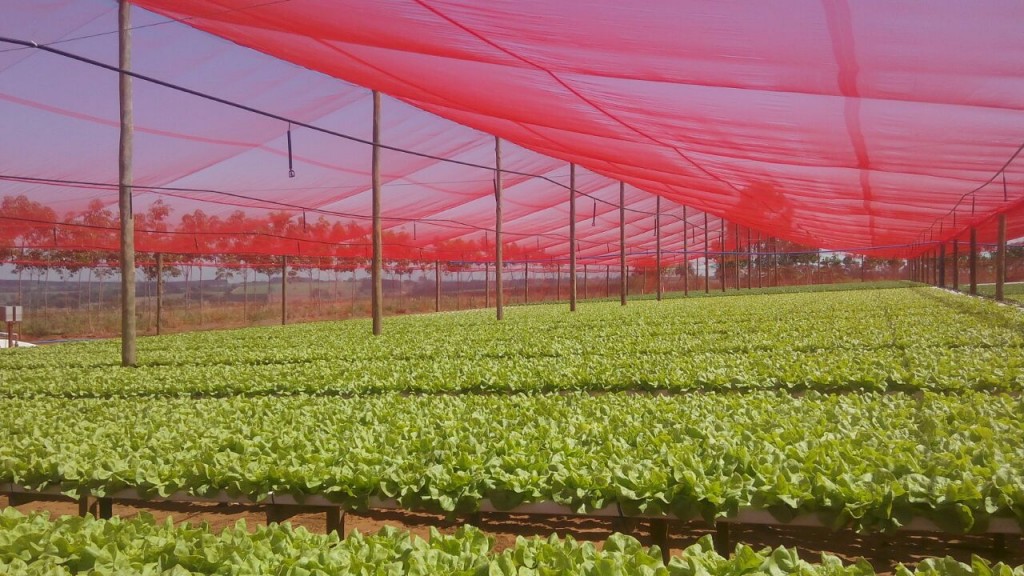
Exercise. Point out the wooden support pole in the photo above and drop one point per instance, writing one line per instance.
(625, 525)
(775, 257)
(723, 540)
(707, 247)
(558, 282)
(572, 238)
(377, 264)
(105, 508)
(1001, 258)
(760, 261)
(660, 538)
(721, 253)
(335, 521)
(942, 265)
(956, 264)
(499, 258)
(750, 261)
(437, 285)
(736, 254)
(526, 282)
(657, 248)
(487, 285)
(998, 546)
(622, 244)
(586, 294)
(159, 291)
(972, 261)
(686, 257)
(124, 165)
(284, 290)
(84, 505)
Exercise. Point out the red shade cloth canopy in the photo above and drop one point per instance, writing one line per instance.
(861, 126)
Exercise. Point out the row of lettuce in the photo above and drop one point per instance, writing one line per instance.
(905, 339)
(868, 461)
(36, 545)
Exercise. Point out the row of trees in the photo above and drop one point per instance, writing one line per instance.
(36, 241)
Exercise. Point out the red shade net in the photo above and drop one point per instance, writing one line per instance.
(861, 126)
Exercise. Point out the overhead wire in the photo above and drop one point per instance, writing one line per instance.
(296, 122)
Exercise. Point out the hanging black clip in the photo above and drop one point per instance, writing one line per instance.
(291, 169)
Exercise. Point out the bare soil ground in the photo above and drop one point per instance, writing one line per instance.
(884, 552)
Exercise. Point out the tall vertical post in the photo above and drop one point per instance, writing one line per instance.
(775, 256)
(572, 237)
(487, 284)
(760, 261)
(707, 268)
(526, 282)
(499, 258)
(284, 290)
(972, 261)
(377, 265)
(721, 253)
(159, 290)
(437, 285)
(750, 261)
(124, 205)
(686, 257)
(558, 282)
(622, 243)
(956, 264)
(942, 265)
(1001, 257)
(607, 281)
(736, 254)
(586, 276)
(657, 247)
